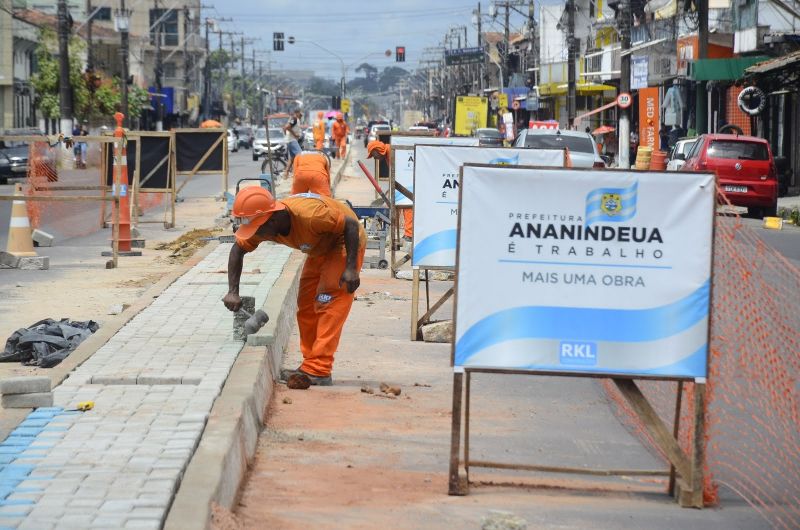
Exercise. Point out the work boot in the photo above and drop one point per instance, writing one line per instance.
(316, 380)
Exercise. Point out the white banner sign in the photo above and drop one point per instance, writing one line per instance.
(403, 159)
(436, 193)
(600, 272)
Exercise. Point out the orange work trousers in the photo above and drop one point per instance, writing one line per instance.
(322, 309)
(408, 222)
(311, 181)
(341, 145)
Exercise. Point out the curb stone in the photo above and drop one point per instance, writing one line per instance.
(228, 444)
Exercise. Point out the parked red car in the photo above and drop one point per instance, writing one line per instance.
(744, 167)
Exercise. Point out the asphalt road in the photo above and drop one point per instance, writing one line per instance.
(83, 218)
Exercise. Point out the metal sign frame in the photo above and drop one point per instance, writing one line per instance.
(686, 470)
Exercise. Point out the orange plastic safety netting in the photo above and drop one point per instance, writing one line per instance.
(753, 386)
(51, 166)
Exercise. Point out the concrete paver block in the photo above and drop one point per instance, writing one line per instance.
(25, 385)
(41, 238)
(34, 263)
(27, 401)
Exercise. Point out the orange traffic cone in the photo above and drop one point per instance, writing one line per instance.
(20, 243)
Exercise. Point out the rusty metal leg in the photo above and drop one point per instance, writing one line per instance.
(466, 426)
(676, 430)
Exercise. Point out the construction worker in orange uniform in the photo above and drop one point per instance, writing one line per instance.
(329, 233)
(312, 173)
(381, 151)
(340, 130)
(319, 131)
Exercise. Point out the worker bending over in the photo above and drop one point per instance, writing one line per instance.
(329, 233)
(312, 173)
(381, 151)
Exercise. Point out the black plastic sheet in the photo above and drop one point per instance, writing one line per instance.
(47, 342)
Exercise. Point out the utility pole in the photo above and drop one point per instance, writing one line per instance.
(89, 50)
(241, 80)
(571, 86)
(64, 88)
(701, 98)
(187, 60)
(122, 24)
(482, 65)
(507, 41)
(207, 78)
(159, 73)
(624, 128)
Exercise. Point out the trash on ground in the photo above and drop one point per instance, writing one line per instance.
(47, 342)
(367, 389)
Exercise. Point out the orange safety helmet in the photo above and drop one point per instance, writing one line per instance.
(253, 206)
(320, 114)
(339, 116)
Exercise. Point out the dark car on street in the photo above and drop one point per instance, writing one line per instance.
(489, 137)
(745, 170)
(13, 161)
(246, 136)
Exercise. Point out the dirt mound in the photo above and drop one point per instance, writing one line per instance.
(186, 245)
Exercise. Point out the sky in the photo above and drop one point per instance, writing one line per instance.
(357, 31)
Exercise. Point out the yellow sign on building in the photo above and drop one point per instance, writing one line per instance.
(345, 105)
(470, 114)
(502, 100)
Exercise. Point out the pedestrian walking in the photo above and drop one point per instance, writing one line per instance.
(319, 131)
(340, 132)
(381, 151)
(329, 233)
(293, 135)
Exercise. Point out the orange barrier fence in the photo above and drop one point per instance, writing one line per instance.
(753, 388)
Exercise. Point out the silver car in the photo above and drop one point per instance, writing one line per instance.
(677, 157)
(582, 149)
(276, 138)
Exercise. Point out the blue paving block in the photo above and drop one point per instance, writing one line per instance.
(15, 470)
(5, 491)
(54, 410)
(27, 431)
(7, 459)
(33, 422)
(7, 527)
(15, 515)
(16, 502)
(41, 414)
(11, 449)
(18, 440)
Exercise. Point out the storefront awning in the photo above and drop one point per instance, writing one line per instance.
(723, 69)
(556, 89)
(785, 61)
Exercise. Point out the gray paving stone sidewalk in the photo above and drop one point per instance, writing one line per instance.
(153, 384)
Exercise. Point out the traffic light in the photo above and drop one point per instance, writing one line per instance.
(336, 102)
(400, 54)
(277, 42)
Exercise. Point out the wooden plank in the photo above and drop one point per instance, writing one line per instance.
(650, 419)
(402, 189)
(698, 445)
(457, 486)
(71, 188)
(156, 168)
(55, 198)
(676, 431)
(439, 303)
(571, 470)
(466, 424)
